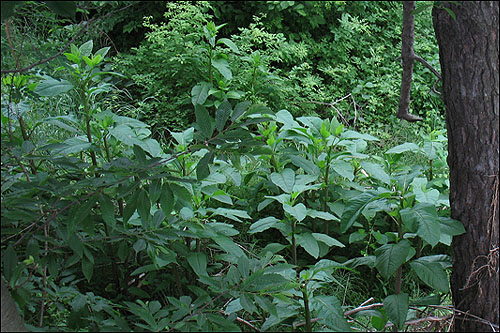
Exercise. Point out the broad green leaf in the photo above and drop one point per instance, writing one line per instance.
(102, 52)
(151, 146)
(390, 257)
(263, 224)
(144, 208)
(419, 186)
(396, 307)
(202, 169)
(428, 223)
(198, 262)
(354, 207)
(107, 211)
(407, 146)
(222, 114)
(343, 168)
(286, 118)
(431, 273)
(166, 199)
(204, 121)
(321, 215)
(199, 93)
(305, 164)
(86, 48)
(327, 240)
(233, 306)
(228, 245)
(247, 303)
(330, 310)
(299, 211)
(376, 171)
(71, 146)
(284, 180)
(239, 110)
(87, 268)
(9, 260)
(309, 243)
(349, 134)
(139, 245)
(233, 214)
(155, 190)
(229, 44)
(451, 227)
(222, 66)
(52, 87)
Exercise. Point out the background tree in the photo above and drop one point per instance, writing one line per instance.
(468, 53)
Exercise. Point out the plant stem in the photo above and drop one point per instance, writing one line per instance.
(294, 246)
(326, 176)
(306, 308)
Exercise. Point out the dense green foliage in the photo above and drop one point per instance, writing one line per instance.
(241, 167)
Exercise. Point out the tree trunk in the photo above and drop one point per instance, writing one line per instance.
(468, 52)
(11, 321)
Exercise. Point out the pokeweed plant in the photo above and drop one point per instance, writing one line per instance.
(404, 206)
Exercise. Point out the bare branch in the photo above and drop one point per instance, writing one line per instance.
(408, 56)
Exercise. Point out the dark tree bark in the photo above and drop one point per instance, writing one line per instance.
(468, 52)
(11, 321)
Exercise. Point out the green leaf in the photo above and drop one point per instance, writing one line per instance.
(86, 48)
(390, 257)
(102, 52)
(144, 208)
(305, 164)
(452, 14)
(239, 109)
(343, 168)
(264, 224)
(232, 214)
(330, 309)
(199, 93)
(309, 243)
(327, 240)
(299, 211)
(107, 211)
(421, 8)
(9, 260)
(229, 44)
(354, 207)
(204, 121)
(202, 169)
(155, 190)
(407, 146)
(431, 273)
(450, 226)
(139, 245)
(396, 307)
(52, 87)
(87, 268)
(247, 302)
(198, 262)
(284, 180)
(428, 223)
(229, 246)
(222, 66)
(166, 199)
(376, 171)
(222, 114)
